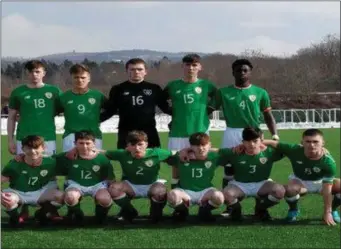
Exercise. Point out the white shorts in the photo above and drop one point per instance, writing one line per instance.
(86, 191)
(311, 186)
(141, 191)
(69, 142)
(50, 148)
(29, 198)
(249, 188)
(232, 137)
(195, 197)
(179, 143)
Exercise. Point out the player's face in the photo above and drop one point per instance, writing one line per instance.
(201, 151)
(191, 69)
(84, 146)
(36, 75)
(312, 144)
(253, 146)
(81, 80)
(242, 73)
(136, 72)
(33, 153)
(138, 150)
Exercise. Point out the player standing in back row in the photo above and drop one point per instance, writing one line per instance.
(36, 103)
(190, 98)
(81, 107)
(243, 104)
(135, 101)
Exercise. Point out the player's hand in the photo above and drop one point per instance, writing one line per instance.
(186, 154)
(19, 158)
(12, 148)
(328, 219)
(71, 154)
(6, 200)
(239, 149)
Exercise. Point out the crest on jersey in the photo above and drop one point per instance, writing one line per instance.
(198, 90)
(129, 162)
(96, 168)
(316, 170)
(208, 164)
(147, 92)
(43, 172)
(48, 95)
(92, 101)
(24, 172)
(75, 166)
(263, 160)
(186, 164)
(252, 97)
(149, 163)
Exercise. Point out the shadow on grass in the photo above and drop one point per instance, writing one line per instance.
(143, 222)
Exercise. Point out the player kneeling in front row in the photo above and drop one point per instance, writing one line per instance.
(195, 180)
(31, 182)
(314, 172)
(252, 170)
(140, 168)
(88, 175)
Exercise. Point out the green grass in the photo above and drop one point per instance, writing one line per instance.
(309, 232)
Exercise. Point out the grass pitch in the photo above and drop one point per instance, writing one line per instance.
(308, 232)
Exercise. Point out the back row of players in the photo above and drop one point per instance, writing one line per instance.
(192, 100)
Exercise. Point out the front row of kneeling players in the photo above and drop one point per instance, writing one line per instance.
(89, 172)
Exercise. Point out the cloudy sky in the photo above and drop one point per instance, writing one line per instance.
(40, 28)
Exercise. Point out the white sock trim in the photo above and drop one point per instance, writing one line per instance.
(228, 177)
(293, 198)
(107, 205)
(56, 204)
(120, 197)
(273, 198)
(69, 205)
(233, 202)
(213, 204)
(176, 204)
(174, 181)
(338, 195)
(13, 207)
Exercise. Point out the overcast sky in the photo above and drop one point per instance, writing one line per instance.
(41, 28)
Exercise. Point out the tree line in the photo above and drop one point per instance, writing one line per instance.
(293, 82)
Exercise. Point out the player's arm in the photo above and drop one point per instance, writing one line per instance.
(11, 120)
(327, 184)
(211, 105)
(272, 143)
(174, 161)
(4, 179)
(115, 155)
(163, 100)
(269, 119)
(59, 105)
(110, 107)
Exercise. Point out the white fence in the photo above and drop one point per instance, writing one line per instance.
(286, 119)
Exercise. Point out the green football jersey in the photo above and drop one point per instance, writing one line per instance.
(189, 106)
(142, 171)
(82, 111)
(196, 175)
(25, 178)
(37, 108)
(85, 172)
(243, 107)
(251, 168)
(307, 169)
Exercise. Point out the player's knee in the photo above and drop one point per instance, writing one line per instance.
(336, 186)
(217, 197)
(103, 198)
(173, 197)
(71, 197)
(278, 191)
(229, 195)
(115, 189)
(292, 189)
(58, 196)
(158, 192)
